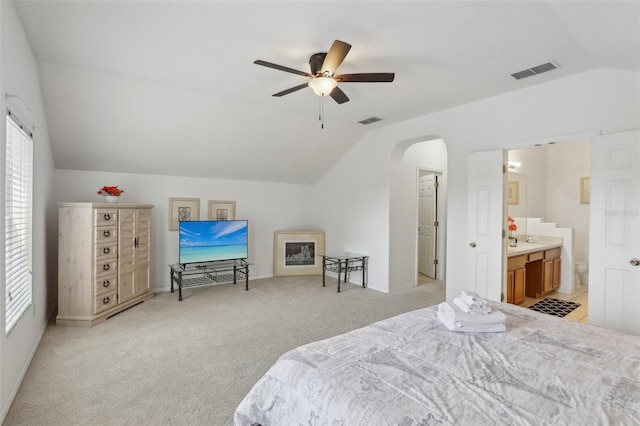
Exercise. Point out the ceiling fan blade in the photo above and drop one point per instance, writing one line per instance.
(371, 77)
(281, 68)
(339, 96)
(291, 90)
(335, 56)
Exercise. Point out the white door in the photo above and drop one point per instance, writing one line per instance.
(614, 250)
(428, 223)
(485, 223)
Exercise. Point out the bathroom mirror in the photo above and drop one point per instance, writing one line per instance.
(517, 199)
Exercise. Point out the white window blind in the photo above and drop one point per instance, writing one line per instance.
(18, 221)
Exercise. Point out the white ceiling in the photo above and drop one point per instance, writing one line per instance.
(169, 87)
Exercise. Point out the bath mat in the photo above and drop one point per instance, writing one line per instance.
(556, 307)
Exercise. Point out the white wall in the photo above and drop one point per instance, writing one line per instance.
(352, 206)
(268, 206)
(604, 99)
(19, 76)
(567, 162)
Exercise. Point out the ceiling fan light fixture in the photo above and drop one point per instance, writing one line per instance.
(322, 86)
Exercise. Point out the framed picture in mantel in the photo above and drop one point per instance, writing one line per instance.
(298, 253)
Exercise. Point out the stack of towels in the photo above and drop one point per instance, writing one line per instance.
(469, 313)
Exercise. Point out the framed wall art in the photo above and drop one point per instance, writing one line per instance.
(222, 210)
(183, 209)
(585, 190)
(298, 253)
(513, 192)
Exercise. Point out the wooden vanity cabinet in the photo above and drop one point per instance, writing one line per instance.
(552, 268)
(516, 279)
(103, 260)
(543, 272)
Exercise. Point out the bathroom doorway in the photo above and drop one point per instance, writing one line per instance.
(553, 186)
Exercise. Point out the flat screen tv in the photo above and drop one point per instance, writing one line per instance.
(212, 240)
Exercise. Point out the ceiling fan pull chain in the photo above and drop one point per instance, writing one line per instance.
(321, 112)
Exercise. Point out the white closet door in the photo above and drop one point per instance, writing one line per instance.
(614, 261)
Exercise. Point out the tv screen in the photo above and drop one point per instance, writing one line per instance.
(211, 240)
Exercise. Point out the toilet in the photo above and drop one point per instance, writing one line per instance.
(582, 274)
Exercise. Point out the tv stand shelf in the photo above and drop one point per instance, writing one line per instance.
(207, 273)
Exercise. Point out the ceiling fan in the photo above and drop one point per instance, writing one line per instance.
(323, 79)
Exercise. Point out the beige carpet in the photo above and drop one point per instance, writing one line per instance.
(165, 362)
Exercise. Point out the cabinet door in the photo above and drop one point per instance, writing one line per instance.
(547, 277)
(126, 259)
(519, 282)
(556, 273)
(142, 250)
(135, 231)
(510, 286)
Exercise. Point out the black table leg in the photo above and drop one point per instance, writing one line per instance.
(324, 270)
(246, 280)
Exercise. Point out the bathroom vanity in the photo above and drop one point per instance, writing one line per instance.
(533, 269)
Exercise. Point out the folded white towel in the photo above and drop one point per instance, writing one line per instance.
(456, 315)
(477, 309)
(472, 298)
(477, 328)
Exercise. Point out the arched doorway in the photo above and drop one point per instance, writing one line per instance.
(407, 160)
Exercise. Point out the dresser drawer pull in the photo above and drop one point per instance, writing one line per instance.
(106, 300)
(106, 283)
(106, 233)
(107, 216)
(106, 267)
(106, 250)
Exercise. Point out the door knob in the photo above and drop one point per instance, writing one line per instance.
(635, 261)
(472, 244)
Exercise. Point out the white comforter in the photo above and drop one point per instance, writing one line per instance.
(410, 370)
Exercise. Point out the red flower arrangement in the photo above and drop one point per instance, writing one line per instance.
(110, 190)
(512, 224)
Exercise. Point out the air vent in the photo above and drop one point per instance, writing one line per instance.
(538, 69)
(370, 120)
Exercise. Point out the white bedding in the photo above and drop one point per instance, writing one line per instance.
(410, 370)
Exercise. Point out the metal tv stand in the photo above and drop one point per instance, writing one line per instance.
(207, 273)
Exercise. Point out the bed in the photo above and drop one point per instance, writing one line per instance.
(411, 370)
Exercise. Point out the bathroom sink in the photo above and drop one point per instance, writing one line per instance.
(525, 247)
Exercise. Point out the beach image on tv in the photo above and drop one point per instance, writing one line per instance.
(206, 241)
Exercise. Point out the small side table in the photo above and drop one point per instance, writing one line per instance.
(344, 264)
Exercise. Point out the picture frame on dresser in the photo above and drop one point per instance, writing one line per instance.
(298, 252)
(222, 210)
(182, 209)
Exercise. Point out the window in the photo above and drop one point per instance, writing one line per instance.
(18, 220)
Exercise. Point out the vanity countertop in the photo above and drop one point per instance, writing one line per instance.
(531, 247)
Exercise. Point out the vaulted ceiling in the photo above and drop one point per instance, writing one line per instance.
(169, 87)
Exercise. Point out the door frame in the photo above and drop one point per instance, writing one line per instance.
(440, 237)
(588, 136)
